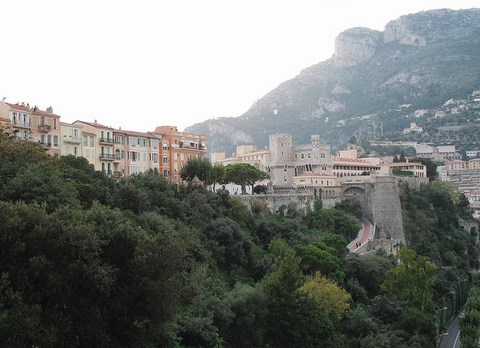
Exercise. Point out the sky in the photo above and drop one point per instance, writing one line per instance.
(145, 63)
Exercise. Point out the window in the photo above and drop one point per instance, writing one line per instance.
(87, 153)
(54, 123)
(144, 157)
(55, 140)
(165, 159)
(91, 141)
(165, 173)
(85, 139)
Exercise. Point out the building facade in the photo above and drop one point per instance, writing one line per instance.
(19, 117)
(71, 139)
(176, 148)
(45, 129)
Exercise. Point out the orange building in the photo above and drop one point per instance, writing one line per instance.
(176, 148)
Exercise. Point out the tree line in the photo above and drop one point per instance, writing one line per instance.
(89, 261)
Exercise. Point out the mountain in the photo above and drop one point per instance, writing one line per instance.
(372, 87)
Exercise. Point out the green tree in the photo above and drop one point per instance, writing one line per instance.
(333, 299)
(199, 167)
(243, 174)
(412, 280)
(216, 175)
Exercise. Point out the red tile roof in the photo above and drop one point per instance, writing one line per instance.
(37, 111)
(94, 124)
(18, 107)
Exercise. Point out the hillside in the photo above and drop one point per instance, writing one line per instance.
(371, 86)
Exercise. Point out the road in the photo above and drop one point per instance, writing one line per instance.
(452, 340)
(362, 238)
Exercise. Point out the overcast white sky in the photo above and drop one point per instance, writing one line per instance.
(140, 64)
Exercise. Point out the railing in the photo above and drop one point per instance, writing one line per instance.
(117, 174)
(22, 123)
(107, 156)
(44, 128)
(106, 140)
(73, 140)
(46, 145)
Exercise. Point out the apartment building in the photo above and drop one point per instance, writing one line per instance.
(19, 117)
(71, 137)
(97, 145)
(135, 152)
(45, 129)
(176, 148)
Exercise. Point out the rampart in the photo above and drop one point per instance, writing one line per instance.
(379, 196)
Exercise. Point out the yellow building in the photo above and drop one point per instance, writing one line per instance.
(71, 136)
(97, 145)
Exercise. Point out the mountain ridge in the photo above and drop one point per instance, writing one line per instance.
(420, 60)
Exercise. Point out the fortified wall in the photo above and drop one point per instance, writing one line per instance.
(379, 196)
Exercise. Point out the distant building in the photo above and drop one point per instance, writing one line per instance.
(413, 129)
(446, 152)
(473, 153)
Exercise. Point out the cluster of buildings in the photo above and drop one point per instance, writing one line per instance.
(312, 165)
(116, 152)
(466, 176)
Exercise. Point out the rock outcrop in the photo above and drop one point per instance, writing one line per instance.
(355, 46)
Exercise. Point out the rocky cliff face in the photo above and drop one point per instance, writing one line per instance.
(355, 46)
(420, 60)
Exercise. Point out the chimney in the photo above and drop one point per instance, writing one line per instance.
(95, 121)
(49, 110)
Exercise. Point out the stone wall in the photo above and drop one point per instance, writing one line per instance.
(386, 208)
(276, 201)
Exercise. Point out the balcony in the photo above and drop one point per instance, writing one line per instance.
(106, 156)
(70, 139)
(106, 141)
(46, 145)
(117, 174)
(18, 123)
(44, 128)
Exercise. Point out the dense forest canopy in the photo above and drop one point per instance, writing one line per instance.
(89, 261)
